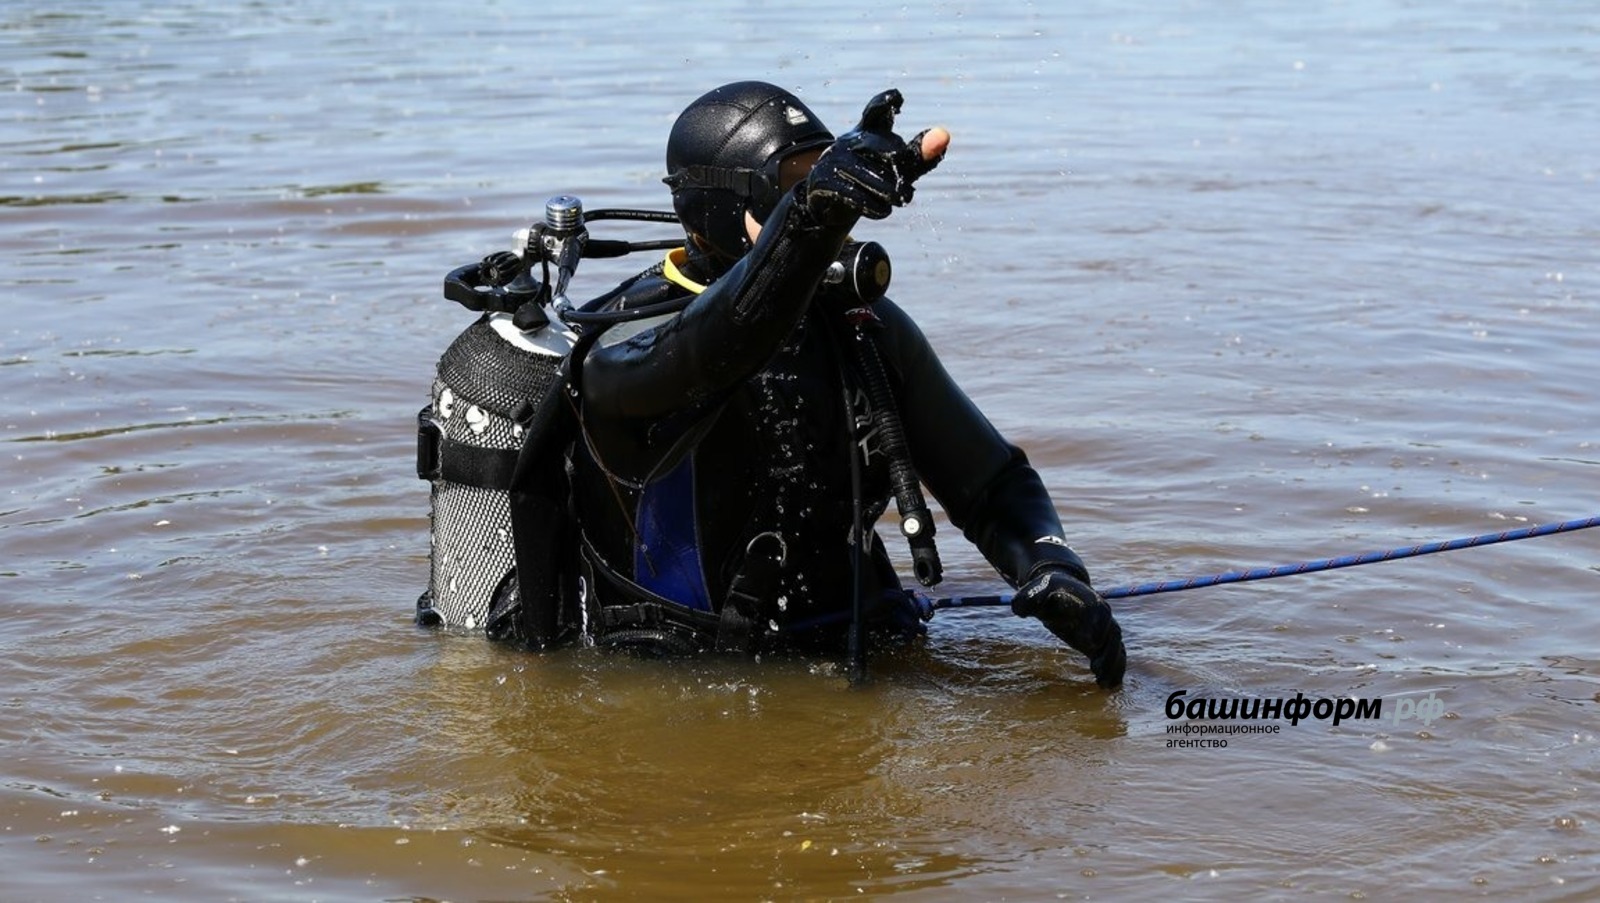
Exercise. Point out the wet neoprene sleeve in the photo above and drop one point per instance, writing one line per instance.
(984, 483)
(683, 368)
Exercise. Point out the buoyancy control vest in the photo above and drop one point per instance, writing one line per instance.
(505, 557)
(495, 385)
(491, 441)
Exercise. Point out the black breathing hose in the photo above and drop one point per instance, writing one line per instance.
(915, 520)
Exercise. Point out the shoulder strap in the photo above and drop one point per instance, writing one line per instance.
(541, 518)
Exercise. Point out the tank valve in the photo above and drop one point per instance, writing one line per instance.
(563, 213)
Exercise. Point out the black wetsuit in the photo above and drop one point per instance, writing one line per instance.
(734, 420)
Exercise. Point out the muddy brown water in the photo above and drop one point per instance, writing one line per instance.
(1252, 286)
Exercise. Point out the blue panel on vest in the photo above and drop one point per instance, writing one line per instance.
(667, 559)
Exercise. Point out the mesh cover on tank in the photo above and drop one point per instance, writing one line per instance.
(482, 382)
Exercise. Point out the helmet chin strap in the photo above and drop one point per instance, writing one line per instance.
(706, 261)
(699, 250)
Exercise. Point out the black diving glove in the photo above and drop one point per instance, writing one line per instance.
(1073, 611)
(867, 171)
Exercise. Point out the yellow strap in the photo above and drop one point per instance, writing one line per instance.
(675, 258)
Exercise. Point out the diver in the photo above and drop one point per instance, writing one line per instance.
(732, 459)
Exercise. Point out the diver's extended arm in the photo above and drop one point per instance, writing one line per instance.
(991, 492)
(722, 337)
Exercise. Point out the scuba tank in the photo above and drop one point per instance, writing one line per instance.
(491, 440)
(468, 438)
(485, 394)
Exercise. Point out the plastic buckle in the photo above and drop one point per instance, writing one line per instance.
(430, 434)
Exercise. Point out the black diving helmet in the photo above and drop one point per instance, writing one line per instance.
(725, 156)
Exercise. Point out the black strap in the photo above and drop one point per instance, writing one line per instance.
(473, 465)
(698, 175)
(442, 458)
(624, 604)
(540, 520)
